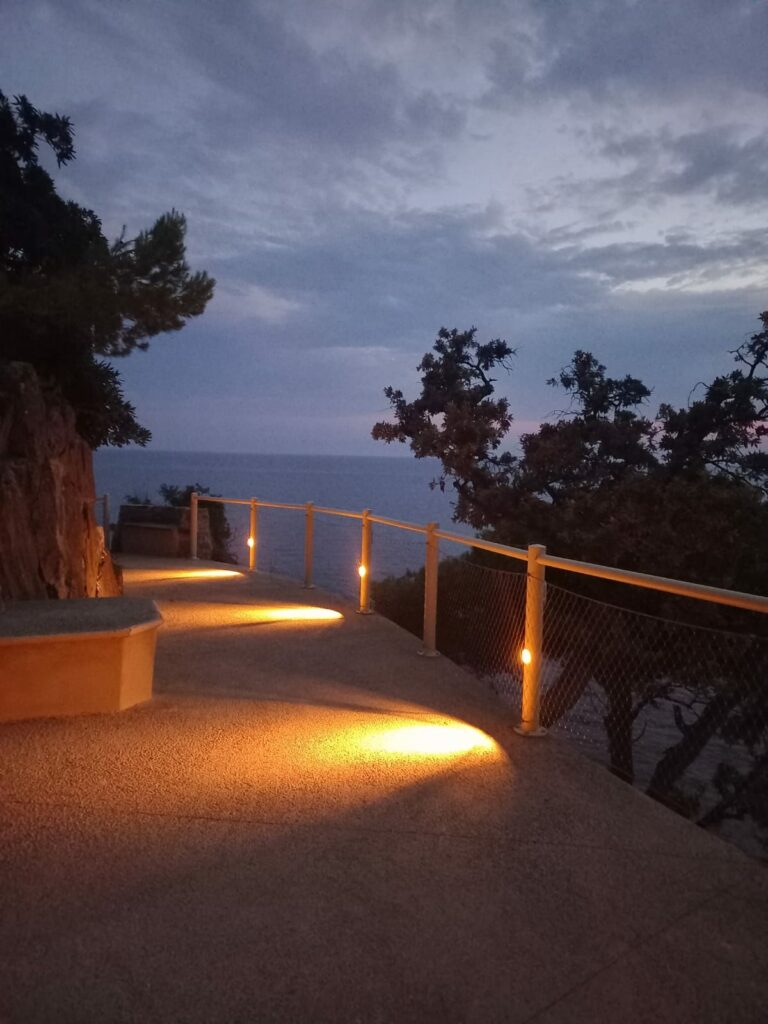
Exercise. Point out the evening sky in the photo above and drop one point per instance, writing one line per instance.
(358, 173)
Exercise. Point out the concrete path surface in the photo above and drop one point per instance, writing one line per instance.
(311, 823)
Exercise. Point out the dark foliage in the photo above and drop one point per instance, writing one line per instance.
(683, 494)
(68, 296)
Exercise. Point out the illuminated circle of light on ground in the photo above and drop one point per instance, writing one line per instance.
(205, 574)
(439, 740)
(300, 613)
(525, 656)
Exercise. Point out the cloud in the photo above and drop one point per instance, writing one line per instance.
(605, 50)
(714, 162)
(382, 280)
(252, 302)
(679, 261)
(376, 279)
(356, 175)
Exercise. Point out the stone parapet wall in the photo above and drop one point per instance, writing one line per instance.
(170, 516)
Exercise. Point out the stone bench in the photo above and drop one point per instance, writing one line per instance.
(75, 657)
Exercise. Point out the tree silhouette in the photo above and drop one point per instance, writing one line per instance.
(681, 494)
(68, 296)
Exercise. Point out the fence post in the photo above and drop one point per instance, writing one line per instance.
(429, 645)
(364, 569)
(105, 523)
(309, 540)
(253, 535)
(531, 655)
(193, 525)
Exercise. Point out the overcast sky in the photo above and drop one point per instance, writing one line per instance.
(356, 174)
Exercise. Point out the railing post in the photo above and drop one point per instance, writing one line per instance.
(364, 568)
(532, 652)
(309, 540)
(193, 525)
(253, 535)
(105, 522)
(429, 648)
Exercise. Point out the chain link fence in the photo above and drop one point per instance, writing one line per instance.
(678, 710)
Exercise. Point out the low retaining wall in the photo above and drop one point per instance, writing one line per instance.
(76, 657)
(150, 539)
(160, 530)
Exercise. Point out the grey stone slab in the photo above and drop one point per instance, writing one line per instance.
(75, 615)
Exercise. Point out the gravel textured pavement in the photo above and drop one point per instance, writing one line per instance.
(311, 823)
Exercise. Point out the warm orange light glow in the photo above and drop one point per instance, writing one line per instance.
(431, 740)
(525, 656)
(167, 574)
(206, 574)
(301, 613)
(250, 542)
(195, 615)
(361, 571)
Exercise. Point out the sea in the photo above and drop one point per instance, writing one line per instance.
(398, 488)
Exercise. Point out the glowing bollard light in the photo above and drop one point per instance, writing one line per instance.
(365, 590)
(364, 563)
(531, 654)
(253, 532)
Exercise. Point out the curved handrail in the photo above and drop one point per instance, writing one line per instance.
(682, 588)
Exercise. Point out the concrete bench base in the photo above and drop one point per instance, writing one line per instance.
(76, 657)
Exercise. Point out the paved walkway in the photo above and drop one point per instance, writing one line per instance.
(310, 823)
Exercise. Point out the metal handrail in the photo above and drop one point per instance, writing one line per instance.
(537, 561)
(698, 591)
(398, 524)
(484, 545)
(344, 513)
(223, 501)
(682, 588)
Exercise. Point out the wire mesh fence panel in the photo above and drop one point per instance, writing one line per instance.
(280, 542)
(337, 554)
(481, 622)
(228, 527)
(480, 618)
(678, 710)
(395, 552)
(237, 522)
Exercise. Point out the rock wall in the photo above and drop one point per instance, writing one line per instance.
(50, 544)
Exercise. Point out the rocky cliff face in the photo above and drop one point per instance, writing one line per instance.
(50, 544)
